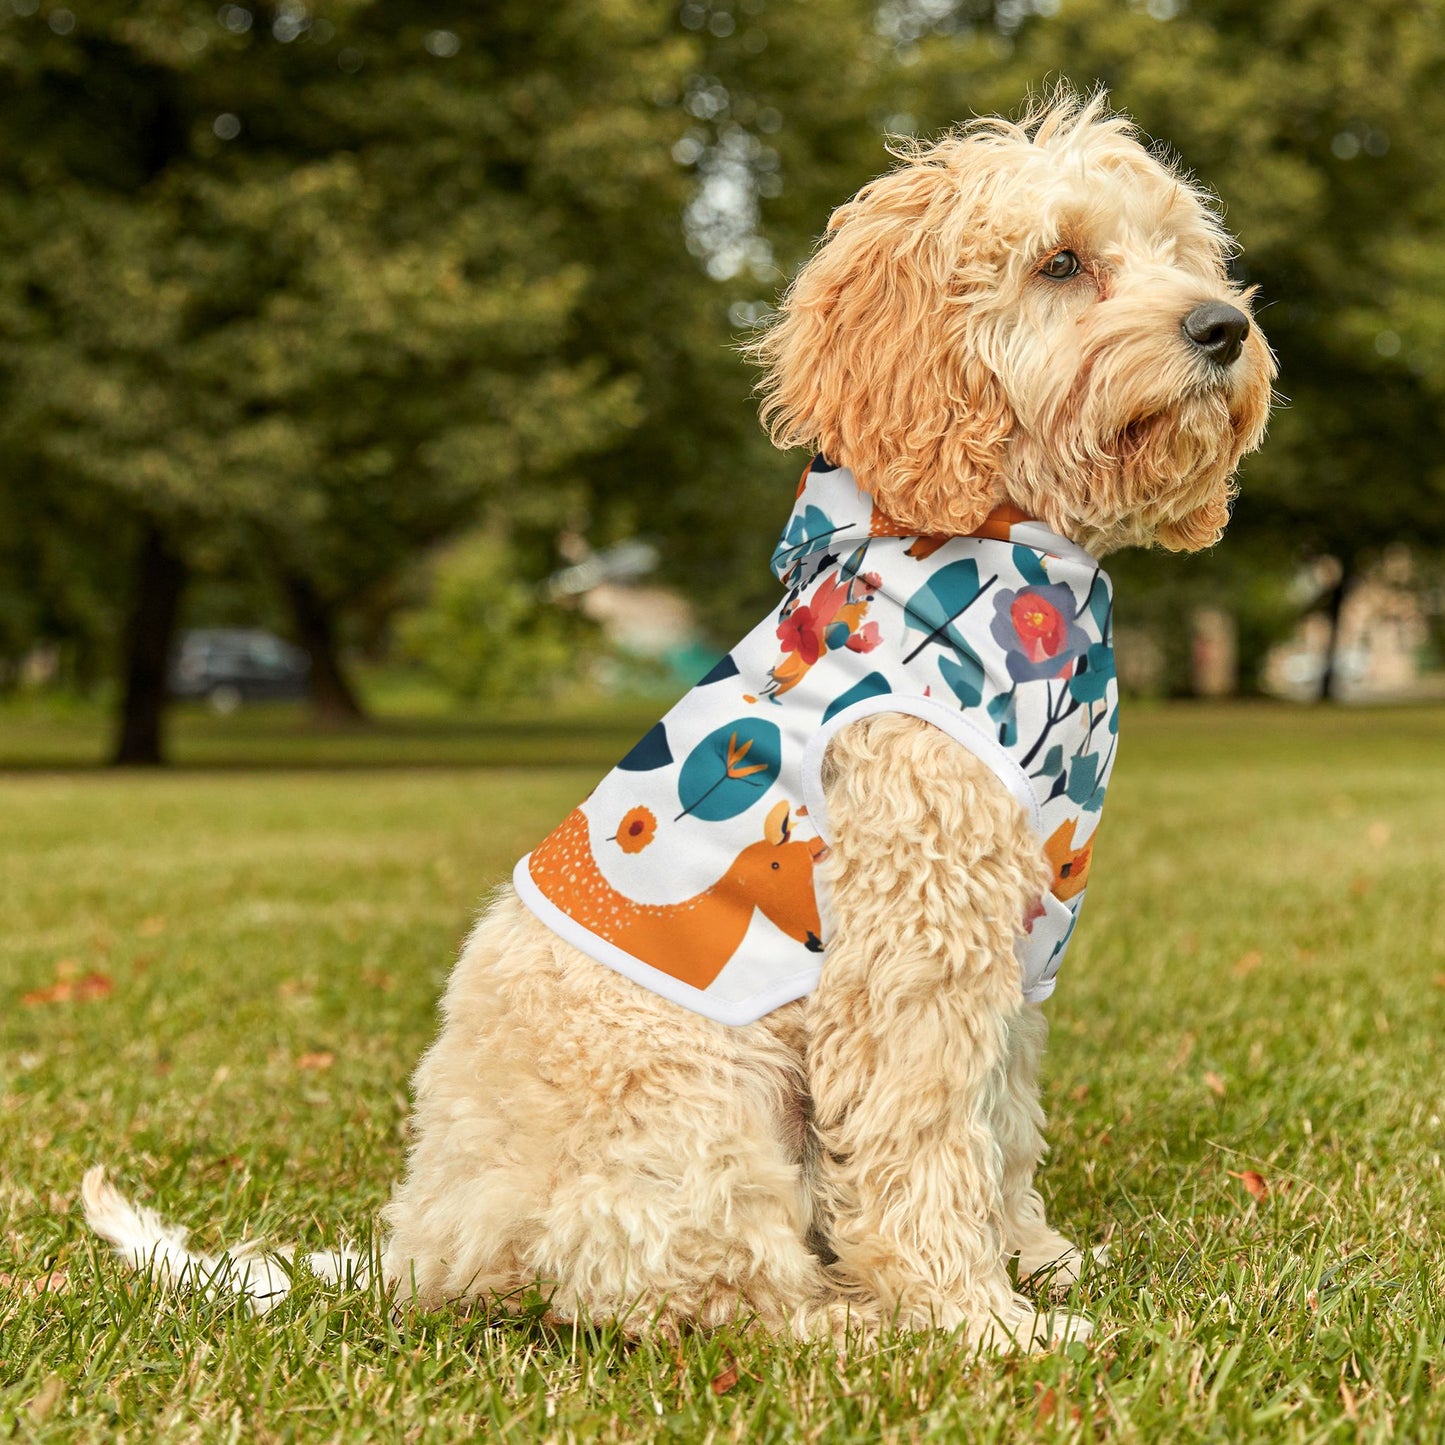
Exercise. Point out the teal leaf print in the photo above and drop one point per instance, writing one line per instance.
(1030, 567)
(806, 534)
(874, 685)
(1001, 709)
(1099, 604)
(1053, 762)
(940, 602)
(1082, 778)
(730, 769)
(964, 676)
(1095, 673)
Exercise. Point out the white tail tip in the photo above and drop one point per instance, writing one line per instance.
(148, 1244)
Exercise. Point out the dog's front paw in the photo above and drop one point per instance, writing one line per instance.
(1023, 1326)
(1058, 1270)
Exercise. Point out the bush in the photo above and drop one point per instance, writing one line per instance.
(489, 635)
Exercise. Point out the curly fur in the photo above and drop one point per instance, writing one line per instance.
(921, 347)
(865, 1156)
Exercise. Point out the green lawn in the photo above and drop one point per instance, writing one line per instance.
(253, 957)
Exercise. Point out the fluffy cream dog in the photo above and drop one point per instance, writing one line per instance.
(1035, 314)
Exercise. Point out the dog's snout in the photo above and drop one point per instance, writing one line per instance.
(1218, 330)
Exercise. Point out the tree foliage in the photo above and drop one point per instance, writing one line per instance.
(324, 286)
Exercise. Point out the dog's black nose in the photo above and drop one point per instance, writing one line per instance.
(814, 943)
(1218, 330)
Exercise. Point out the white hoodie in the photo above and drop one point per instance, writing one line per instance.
(689, 868)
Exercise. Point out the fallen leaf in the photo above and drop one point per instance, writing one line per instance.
(322, 1059)
(295, 987)
(1378, 834)
(1360, 885)
(67, 990)
(45, 1399)
(1046, 1407)
(1247, 963)
(56, 1282)
(377, 978)
(1080, 1094)
(1181, 1054)
(151, 927)
(1214, 1083)
(1440, 980)
(1254, 1183)
(724, 1382)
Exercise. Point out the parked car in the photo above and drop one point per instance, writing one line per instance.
(230, 665)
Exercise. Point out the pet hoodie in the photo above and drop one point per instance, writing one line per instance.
(690, 867)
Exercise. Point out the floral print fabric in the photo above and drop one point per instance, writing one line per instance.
(690, 866)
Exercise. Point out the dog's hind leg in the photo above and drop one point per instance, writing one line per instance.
(578, 1135)
(932, 864)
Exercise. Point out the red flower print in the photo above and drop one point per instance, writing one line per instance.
(1036, 627)
(1040, 625)
(800, 632)
(865, 639)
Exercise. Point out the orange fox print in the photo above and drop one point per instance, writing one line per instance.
(691, 940)
(1070, 864)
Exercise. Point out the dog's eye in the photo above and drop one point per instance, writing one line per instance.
(1060, 266)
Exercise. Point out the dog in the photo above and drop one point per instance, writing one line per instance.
(1018, 349)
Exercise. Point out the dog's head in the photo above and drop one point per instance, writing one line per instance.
(1033, 312)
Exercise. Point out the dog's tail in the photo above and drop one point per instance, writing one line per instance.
(147, 1243)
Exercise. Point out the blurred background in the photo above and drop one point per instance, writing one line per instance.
(367, 362)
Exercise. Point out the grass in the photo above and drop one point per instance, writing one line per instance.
(252, 959)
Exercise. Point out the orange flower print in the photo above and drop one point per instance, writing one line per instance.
(636, 830)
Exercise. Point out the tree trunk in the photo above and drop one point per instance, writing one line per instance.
(333, 699)
(160, 578)
(1329, 676)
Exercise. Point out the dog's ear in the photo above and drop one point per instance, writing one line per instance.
(873, 358)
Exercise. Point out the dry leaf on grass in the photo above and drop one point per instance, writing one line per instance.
(322, 1059)
(1046, 1407)
(32, 1287)
(1181, 1054)
(1378, 834)
(151, 927)
(1214, 1083)
(1247, 963)
(67, 990)
(1255, 1184)
(724, 1381)
(45, 1399)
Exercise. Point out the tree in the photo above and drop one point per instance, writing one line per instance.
(295, 284)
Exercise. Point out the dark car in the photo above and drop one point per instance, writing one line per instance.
(231, 665)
